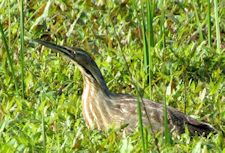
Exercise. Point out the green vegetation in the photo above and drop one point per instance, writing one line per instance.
(171, 52)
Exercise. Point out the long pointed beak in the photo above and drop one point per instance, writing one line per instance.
(61, 49)
(90, 68)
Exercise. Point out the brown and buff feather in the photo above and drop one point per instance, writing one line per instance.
(103, 109)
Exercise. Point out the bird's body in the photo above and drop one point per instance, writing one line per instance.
(103, 109)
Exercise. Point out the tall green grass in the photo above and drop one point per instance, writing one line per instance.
(148, 39)
(21, 6)
(9, 57)
(209, 24)
(148, 48)
(9, 27)
(167, 134)
(198, 22)
(139, 98)
(148, 43)
(218, 39)
(162, 5)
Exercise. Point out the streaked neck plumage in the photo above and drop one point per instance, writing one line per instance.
(94, 79)
(94, 102)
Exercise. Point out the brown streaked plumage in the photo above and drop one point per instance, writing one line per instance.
(103, 109)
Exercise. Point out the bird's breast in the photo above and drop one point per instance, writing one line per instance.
(95, 107)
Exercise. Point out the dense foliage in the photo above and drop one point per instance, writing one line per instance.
(187, 72)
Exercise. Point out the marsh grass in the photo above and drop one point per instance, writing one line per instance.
(22, 62)
(9, 57)
(198, 21)
(218, 38)
(176, 58)
(148, 39)
(209, 24)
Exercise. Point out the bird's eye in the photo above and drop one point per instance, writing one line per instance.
(74, 53)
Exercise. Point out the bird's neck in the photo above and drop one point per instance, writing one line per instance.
(95, 104)
(96, 86)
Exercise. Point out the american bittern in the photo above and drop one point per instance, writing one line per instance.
(102, 109)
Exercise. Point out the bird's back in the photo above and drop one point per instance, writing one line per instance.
(153, 116)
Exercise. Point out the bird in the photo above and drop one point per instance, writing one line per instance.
(103, 109)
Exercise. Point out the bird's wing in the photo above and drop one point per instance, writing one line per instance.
(152, 113)
(180, 120)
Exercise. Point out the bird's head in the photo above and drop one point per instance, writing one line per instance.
(83, 60)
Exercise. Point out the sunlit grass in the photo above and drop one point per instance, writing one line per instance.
(199, 24)
(218, 38)
(209, 24)
(22, 62)
(9, 57)
(49, 118)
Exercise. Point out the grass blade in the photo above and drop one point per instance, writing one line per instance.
(22, 46)
(148, 40)
(218, 40)
(9, 56)
(162, 21)
(9, 28)
(140, 123)
(145, 43)
(43, 132)
(148, 44)
(209, 24)
(198, 23)
(150, 12)
(167, 134)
